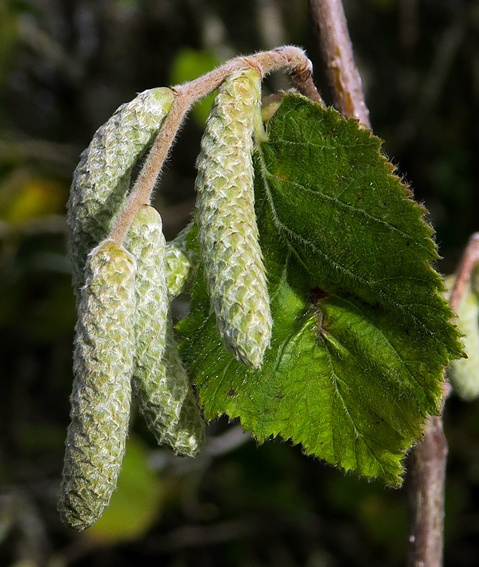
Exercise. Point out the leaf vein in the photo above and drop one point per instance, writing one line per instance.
(349, 207)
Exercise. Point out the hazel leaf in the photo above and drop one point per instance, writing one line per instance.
(361, 333)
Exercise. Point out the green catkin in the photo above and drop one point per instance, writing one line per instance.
(181, 264)
(101, 397)
(146, 242)
(102, 178)
(227, 230)
(160, 383)
(464, 373)
(186, 432)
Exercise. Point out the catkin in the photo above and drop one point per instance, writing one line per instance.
(185, 432)
(146, 242)
(160, 383)
(102, 177)
(464, 373)
(181, 264)
(227, 230)
(101, 397)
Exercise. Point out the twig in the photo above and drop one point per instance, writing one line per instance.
(468, 262)
(337, 51)
(428, 460)
(290, 58)
(227, 442)
(426, 497)
(14, 148)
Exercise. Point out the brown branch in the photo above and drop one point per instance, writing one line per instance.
(427, 478)
(468, 262)
(428, 459)
(337, 51)
(292, 59)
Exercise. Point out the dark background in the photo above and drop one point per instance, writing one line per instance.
(65, 66)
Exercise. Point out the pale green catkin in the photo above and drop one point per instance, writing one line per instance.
(464, 373)
(102, 178)
(227, 230)
(186, 432)
(160, 383)
(146, 242)
(101, 397)
(181, 264)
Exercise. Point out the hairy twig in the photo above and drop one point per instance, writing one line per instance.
(292, 59)
(337, 51)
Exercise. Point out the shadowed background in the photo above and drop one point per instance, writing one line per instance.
(64, 68)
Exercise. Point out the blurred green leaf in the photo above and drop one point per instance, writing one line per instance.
(25, 196)
(190, 64)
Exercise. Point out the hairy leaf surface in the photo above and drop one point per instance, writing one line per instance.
(361, 333)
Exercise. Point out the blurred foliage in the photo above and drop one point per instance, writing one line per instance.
(187, 65)
(64, 68)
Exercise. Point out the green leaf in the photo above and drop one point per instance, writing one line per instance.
(361, 333)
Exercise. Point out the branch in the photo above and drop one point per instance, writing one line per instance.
(468, 262)
(428, 460)
(337, 51)
(426, 497)
(292, 59)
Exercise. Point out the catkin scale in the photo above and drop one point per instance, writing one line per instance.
(102, 178)
(160, 383)
(101, 397)
(227, 230)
